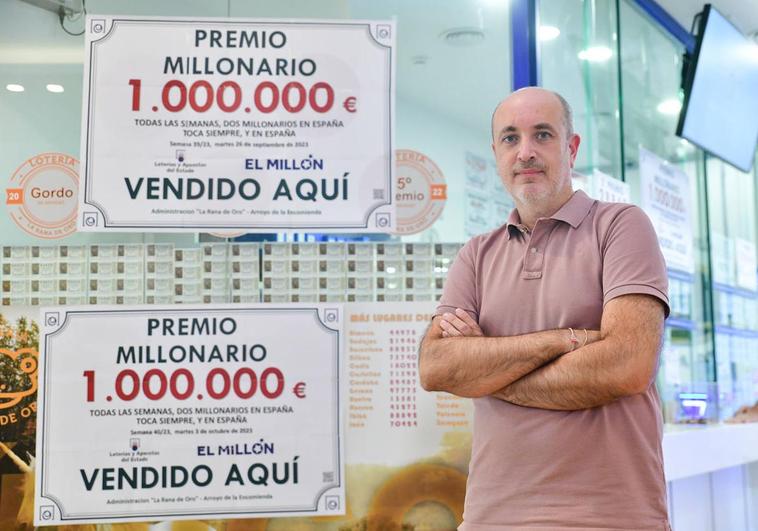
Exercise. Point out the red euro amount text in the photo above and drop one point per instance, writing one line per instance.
(156, 384)
(267, 96)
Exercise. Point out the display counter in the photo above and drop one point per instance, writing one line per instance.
(693, 450)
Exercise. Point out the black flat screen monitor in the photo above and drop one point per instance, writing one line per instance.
(720, 111)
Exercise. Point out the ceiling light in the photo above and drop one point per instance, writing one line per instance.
(14, 88)
(548, 33)
(16, 54)
(670, 106)
(596, 54)
(52, 87)
(462, 36)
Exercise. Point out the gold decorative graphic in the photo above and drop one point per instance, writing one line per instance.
(26, 359)
(417, 484)
(259, 524)
(23, 501)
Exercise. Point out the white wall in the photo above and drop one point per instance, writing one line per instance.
(446, 143)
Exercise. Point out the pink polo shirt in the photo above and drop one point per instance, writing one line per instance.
(592, 469)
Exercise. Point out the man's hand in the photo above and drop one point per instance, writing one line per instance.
(622, 363)
(459, 324)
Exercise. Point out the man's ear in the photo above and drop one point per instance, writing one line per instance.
(573, 148)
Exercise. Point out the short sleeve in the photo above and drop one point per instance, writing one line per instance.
(460, 284)
(632, 259)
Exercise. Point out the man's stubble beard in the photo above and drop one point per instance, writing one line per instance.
(533, 198)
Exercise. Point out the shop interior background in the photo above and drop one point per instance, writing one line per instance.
(620, 70)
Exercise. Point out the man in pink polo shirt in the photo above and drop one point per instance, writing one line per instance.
(552, 323)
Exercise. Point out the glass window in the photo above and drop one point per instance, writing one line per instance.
(452, 69)
(578, 60)
(732, 215)
(651, 66)
(583, 46)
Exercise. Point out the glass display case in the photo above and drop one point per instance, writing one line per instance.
(666, 178)
(707, 371)
(731, 204)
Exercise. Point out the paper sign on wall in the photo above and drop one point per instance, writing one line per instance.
(227, 124)
(385, 398)
(487, 203)
(161, 413)
(665, 197)
(607, 188)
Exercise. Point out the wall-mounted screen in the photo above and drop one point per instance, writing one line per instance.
(720, 112)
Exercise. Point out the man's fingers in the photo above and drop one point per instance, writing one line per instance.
(464, 316)
(448, 328)
(459, 325)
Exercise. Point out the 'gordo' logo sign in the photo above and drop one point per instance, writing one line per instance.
(42, 193)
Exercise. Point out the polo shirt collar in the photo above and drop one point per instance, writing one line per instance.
(572, 212)
(575, 209)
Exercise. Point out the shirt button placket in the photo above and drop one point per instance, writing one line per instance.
(533, 260)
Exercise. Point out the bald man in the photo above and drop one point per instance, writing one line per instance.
(552, 324)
